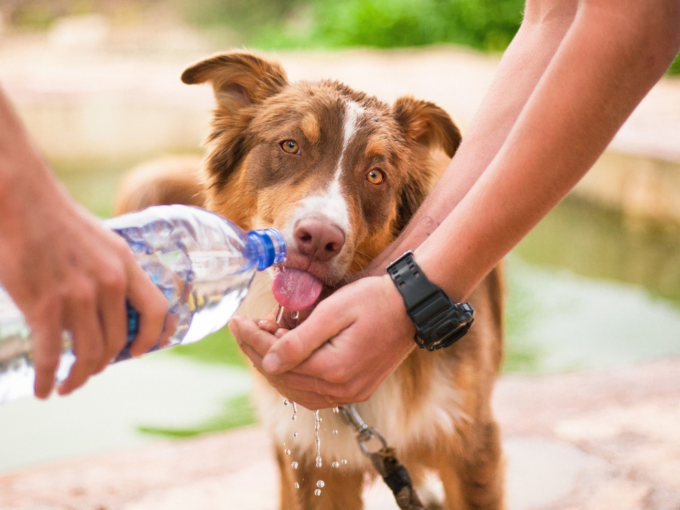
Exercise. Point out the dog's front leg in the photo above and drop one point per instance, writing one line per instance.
(340, 488)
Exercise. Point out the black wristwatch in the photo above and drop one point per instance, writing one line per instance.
(439, 321)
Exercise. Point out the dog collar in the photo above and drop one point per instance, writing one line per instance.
(439, 321)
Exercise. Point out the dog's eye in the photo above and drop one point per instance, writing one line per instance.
(375, 176)
(290, 146)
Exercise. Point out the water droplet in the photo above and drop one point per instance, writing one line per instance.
(336, 410)
(335, 464)
(317, 492)
(297, 485)
(295, 315)
(320, 484)
(317, 440)
(295, 434)
(335, 432)
(343, 462)
(294, 465)
(295, 417)
(287, 452)
(286, 402)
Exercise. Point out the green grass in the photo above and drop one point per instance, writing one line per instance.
(218, 348)
(237, 412)
(675, 66)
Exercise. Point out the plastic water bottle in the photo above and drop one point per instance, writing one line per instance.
(202, 262)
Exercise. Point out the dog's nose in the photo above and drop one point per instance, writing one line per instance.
(318, 239)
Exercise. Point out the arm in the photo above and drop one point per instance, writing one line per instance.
(567, 106)
(611, 57)
(524, 62)
(64, 270)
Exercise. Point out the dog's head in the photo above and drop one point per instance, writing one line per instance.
(338, 172)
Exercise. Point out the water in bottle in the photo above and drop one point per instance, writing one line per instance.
(202, 262)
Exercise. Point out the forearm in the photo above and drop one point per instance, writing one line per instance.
(520, 69)
(608, 61)
(23, 173)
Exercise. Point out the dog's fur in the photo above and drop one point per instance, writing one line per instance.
(435, 408)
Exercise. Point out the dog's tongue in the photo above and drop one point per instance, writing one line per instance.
(296, 290)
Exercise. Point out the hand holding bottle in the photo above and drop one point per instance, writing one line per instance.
(64, 269)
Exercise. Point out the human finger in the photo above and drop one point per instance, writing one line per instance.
(293, 386)
(297, 345)
(113, 316)
(311, 392)
(247, 332)
(151, 305)
(169, 328)
(47, 346)
(87, 337)
(268, 325)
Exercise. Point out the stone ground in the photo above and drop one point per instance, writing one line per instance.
(598, 440)
(602, 439)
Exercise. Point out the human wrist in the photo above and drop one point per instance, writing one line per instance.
(396, 304)
(445, 272)
(29, 193)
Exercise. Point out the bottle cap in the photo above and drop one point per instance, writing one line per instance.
(270, 247)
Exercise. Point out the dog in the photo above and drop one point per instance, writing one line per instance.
(340, 173)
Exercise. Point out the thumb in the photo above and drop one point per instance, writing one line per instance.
(297, 345)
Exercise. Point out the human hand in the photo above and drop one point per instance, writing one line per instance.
(349, 344)
(67, 272)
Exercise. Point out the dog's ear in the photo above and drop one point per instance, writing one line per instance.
(426, 127)
(238, 79)
(426, 124)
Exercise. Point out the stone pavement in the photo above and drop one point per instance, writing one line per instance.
(607, 439)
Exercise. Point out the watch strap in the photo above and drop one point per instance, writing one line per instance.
(439, 321)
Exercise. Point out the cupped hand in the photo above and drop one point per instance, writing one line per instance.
(349, 344)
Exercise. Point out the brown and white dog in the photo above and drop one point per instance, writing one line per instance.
(340, 173)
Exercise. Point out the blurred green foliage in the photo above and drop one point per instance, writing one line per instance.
(483, 24)
(487, 25)
(675, 66)
(218, 348)
(521, 352)
(247, 16)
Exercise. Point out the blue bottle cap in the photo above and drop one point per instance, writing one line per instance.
(269, 245)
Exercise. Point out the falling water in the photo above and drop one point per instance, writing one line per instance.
(317, 439)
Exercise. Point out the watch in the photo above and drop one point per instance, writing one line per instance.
(439, 321)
